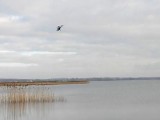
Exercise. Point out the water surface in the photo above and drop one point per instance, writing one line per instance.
(110, 100)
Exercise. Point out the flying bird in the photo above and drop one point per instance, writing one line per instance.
(59, 27)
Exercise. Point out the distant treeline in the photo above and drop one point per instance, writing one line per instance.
(82, 79)
(123, 78)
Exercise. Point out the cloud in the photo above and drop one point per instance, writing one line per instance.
(11, 18)
(32, 53)
(6, 51)
(18, 65)
(99, 37)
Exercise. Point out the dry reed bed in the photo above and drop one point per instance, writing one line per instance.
(20, 95)
(17, 93)
(29, 98)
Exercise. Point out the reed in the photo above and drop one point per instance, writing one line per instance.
(17, 95)
(23, 98)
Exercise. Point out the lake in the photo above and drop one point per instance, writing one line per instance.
(97, 100)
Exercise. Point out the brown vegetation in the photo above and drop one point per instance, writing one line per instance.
(19, 83)
(16, 92)
(29, 98)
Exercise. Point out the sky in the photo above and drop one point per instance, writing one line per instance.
(100, 38)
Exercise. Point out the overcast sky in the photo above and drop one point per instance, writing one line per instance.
(100, 38)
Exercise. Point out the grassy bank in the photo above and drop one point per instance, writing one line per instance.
(20, 83)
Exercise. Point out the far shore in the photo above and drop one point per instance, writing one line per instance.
(22, 83)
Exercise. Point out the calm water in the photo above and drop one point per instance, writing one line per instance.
(112, 100)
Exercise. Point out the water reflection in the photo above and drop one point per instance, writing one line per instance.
(21, 111)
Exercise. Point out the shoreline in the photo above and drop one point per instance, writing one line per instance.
(21, 83)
